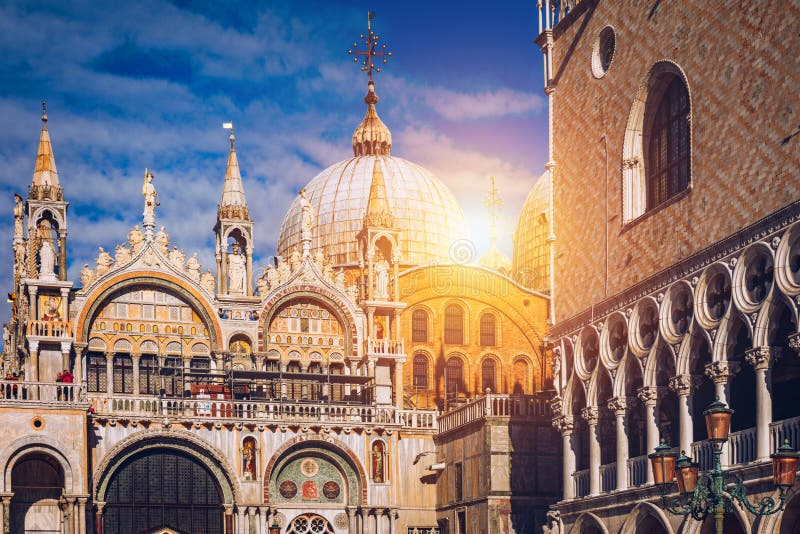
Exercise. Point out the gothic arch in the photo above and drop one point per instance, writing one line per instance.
(21, 447)
(588, 520)
(761, 330)
(179, 440)
(640, 512)
(43, 213)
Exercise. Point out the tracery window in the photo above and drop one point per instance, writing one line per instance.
(667, 156)
(419, 326)
(97, 373)
(310, 524)
(488, 376)
(454, 325)
(148, 375)
(488, 330)
(123, 374)
(454, 382)
(172, 374)
(420, 371)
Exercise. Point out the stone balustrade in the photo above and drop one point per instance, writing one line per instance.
(14, 391)
(494, 405)
(60, 329)
(581, 481)
(637, 471)
(608, 477)
(386, 347)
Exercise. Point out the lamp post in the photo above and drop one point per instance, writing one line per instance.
(275, 528)
(702, 495)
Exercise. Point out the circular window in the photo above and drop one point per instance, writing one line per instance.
(603, 52)
(37, 423)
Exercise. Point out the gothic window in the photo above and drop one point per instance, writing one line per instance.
(97, 373)
(454, 325)
(488, 376)
(173, 377)
(420, 371)
(667, 150)
(419, 326)
(337, 388)
(488, 330)
(123, 374)
(310, 524)
(148, 375)
(520, 386)
(454, 382)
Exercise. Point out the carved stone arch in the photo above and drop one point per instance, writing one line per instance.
(99, 295)
(575, 382)
(655, 361)
(722, 342)
(41, 214)
(242, 230)
(581, 368)
(241, 334)
(343, 310)
(177, 440)
(641, 511)
(377, 236)
(683, 363)
(593, 389)
(338, 451)
(587, 520)
(620, 382)
(766, 316)
(634, 181)
(66, 457)
(141, 341)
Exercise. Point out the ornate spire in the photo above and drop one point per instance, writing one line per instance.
(372, 137)
(378, 211)
(494, 259)
(45, 174)
(233, 204)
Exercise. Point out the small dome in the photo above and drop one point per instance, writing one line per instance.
(531, 266)
(495, 260)
(372, 137)
(423, 210)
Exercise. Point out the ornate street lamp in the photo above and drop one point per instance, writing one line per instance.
(275, 528)
(701, 495)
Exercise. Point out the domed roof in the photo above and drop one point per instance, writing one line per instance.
(420, 206)
(531, 266)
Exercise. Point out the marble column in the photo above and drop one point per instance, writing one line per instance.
(5, 512)
(263, 520)
(65, 303)
(377, 514)
(80, 355)
(82, 514)
(240, 520)
(619, 406)
(564, 424)
(32, 374)
(721, 373)
(109, 373)
(761, 359)
(249, 271)
(649, 396)
(590, 415)
(351, 520)
(229, 527)
(62, 256)
(398, 383)
(98, 517)
(392, 520)
(135, 357)
(682, 385)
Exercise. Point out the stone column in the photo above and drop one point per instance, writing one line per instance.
(223, 272)
(564, 424)
(32, 374)
(619, 406)
(263, 518)
(371, 322)
(682, 385)
(370, 279)
(398, 382)
(720, 373)
(249, 270)
(5, 512)
(62, 257)
(396, 334)
(135, 357)
(361, 521)
(761, 359)
(80, 355)
(590, 415)
(649, 396)
(82, 515)
(377, 514)
(109, 373)
(66, 348)
(98, 517)
(351, 520)
(371, 367)
(240, 519)
(33, 304)
(65, 303)
(392, 520)
(229, 527)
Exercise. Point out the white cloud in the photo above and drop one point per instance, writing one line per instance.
(456, 106)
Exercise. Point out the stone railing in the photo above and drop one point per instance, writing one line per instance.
(608, 477)
(494, 405)
(423, 530)
(261, 412)
(786, 429)
(637, 471)
(14, 391)
(581, 481)
(742, 446)
(386, 347)
(49, 329)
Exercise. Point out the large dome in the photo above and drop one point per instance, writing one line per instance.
(423, 209)
(531, 255)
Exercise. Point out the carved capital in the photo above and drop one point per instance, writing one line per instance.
(557, 405)
(629, 163)
(618, 405)
(648, 395)
(794, 342)
(682, 385)
(760, 357)
(563, 424)
(720, 372)
(590, 415)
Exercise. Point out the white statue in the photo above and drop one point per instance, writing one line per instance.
(237, 271)
(87, 275)
(294, 260)
(135, 238)
(150, 197)
(103, 262)
(47, 260)
(283, 270)
(381, 278)
(272, 276)
(177, 257)
(193, 267)
(162, 241)
(208, 282)
(307, 217)
(19, 212)
(122, 255)
(6, 339)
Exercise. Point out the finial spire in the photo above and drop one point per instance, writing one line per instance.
(379, 213)
(494, 203)
(233, 204)
(45, 175)
(44, 111)
(372, 49)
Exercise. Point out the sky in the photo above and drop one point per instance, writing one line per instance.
(142, 84)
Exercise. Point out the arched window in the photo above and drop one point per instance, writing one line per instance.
(419, 326)
(148, 375)
(667, 149)
(454, 383)
(488, 376)
(420, 371)
(488, 330)
(453, 325)
(520, 386)
(97, 373)
(123, 374)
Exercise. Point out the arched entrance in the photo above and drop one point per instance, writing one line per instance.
(162, 489)
(310, 524)
(37, 481)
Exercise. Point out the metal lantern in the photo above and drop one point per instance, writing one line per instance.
(686, 473)
(784, 465)
(663, 463)
(718, 421)
(275, 528)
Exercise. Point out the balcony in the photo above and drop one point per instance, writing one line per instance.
(49, 329)
(493, 405)
(385, 347)
(17, 393)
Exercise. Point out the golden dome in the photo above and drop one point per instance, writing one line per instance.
(531, 266)
(423, 209)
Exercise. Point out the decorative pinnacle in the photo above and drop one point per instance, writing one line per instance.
(229, 126)
(494, 202)
(373, 50)
(44, 111)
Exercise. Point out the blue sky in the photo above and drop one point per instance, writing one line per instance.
(148, 84)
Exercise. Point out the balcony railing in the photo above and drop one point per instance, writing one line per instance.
(61, 329)
(780, 430)
(608, 477)
(385, 347)
(581, 481)
(637, 471)
(494, 405)
(259, 412)
(17, 392)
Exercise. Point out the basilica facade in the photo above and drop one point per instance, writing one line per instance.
(373, 378)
